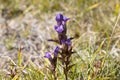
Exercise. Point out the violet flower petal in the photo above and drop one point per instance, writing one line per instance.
(59, 17)
(59, 29)
(57, 49)
(48, 55)
(68, 42)
(65, 19)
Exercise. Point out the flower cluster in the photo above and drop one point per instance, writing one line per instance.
(65, 50)
(61, 27)
(53, 59)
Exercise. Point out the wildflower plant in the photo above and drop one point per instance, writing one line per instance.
(64, 51)
(53, 61)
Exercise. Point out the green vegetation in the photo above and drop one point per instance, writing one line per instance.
(95, 23)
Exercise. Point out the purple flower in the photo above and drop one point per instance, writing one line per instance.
(65, 19)
(56, 49)
(63, 41)
(68, 41)
(59, 17)
(48, 55)
(59, 29)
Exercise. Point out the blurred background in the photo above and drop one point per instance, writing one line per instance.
(29, 23)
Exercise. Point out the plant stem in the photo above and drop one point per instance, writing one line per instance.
(66, 68)
(55, 75)
(66, 77)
